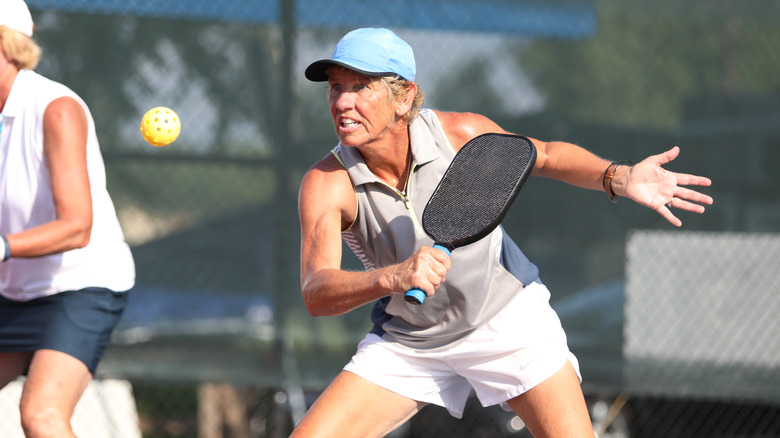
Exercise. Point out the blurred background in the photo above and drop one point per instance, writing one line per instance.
(676, 330)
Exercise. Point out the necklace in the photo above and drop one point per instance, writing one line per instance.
(408, 174)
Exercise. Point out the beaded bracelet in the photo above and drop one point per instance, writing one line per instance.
(609, 174)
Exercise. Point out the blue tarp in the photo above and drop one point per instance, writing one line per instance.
(558, 19)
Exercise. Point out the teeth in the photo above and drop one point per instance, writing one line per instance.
(348, 122)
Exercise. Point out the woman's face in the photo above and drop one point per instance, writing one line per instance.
(361, 107)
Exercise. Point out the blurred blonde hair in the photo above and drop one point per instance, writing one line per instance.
(21, 49)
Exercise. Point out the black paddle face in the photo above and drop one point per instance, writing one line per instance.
(478, 188)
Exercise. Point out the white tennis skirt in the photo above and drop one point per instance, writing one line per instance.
(516, 350)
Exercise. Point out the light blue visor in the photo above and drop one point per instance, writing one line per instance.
(370, 51)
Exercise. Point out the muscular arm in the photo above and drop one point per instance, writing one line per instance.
(646, 183)
(558, 160)
(65, 150)
(327, 205)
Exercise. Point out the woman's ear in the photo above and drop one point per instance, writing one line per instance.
(408, 100)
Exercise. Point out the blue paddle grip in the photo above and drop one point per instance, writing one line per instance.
(417, 296)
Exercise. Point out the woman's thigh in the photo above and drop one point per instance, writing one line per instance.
(55, 379)
(351, 406)
(555, 407)
(13, 365)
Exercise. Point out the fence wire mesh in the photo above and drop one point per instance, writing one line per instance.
(216, 341)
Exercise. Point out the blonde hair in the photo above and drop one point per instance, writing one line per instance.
(21, 49)
(398, 88)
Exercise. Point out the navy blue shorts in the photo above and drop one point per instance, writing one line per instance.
(78, 323)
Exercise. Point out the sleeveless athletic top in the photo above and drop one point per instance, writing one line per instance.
(484, 277)
(26, 201)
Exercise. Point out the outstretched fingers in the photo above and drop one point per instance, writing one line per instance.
(666, 157)
(666, 212)
(686, 199)
(684, 179)
(690, 200)
(663, 190)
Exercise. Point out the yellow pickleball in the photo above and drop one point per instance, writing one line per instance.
(160, 126)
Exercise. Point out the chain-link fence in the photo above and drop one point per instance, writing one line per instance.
(701, 324)
(216, 341)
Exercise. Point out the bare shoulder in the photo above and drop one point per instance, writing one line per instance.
(326, 189)
(65, 109)
(65, 129)
(462, 127)
(325, 177)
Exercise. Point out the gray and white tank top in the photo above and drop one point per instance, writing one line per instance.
(485, 275)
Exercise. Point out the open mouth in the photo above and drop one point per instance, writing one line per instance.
(348, 123)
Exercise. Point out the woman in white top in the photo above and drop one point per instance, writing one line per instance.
(65, 265)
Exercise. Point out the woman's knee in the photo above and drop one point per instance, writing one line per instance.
(42, 417)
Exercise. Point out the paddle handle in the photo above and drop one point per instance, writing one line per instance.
(417, 296)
